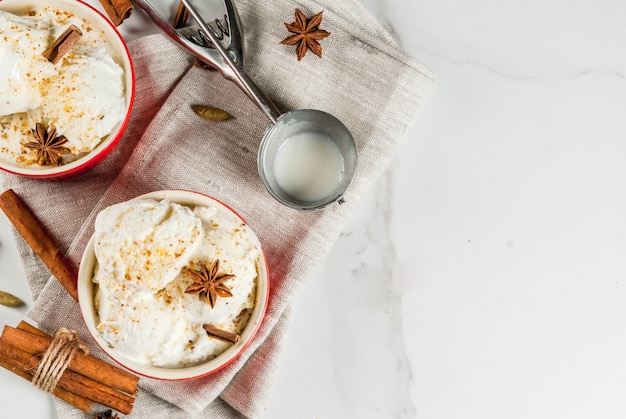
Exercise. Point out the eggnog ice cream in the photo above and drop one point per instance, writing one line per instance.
(81, 96)
(145, 250)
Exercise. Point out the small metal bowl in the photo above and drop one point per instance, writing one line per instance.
(297, 122)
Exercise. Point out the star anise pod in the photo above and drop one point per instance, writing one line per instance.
(49, 147)
(207, 283)
(307, 34)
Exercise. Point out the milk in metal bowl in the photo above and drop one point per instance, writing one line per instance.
(81, 96)
(308, 166)
(144, 249)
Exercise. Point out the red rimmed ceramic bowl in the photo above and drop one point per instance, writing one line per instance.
(87, 290)
(117, 49)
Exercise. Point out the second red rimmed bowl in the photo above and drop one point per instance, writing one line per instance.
(87, 291)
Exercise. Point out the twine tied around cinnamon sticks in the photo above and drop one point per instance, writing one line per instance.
(81, 379)
(57, 358)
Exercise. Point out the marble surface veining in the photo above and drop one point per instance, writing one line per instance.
(353, 348)
(483, 275)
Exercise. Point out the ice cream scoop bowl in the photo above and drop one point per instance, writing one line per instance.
(307, 159)
(316, 131)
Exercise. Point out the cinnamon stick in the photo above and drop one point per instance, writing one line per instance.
(69, 381)
(22, 325)
(63, 44)
(39, 240)
(118, 10)
(220, 334)
(86, 365)
(182, 14)
(71, 398)
(106, 391)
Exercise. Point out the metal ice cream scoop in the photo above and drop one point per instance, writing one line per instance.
(296, 160)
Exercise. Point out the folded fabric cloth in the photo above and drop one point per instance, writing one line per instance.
(363, 78)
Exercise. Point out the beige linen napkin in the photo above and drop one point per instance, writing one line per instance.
(364, 79)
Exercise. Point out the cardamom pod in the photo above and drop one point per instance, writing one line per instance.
(210, 113)
(7, 299)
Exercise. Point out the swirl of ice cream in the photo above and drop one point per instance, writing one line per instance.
(143, 249)
(81, 96)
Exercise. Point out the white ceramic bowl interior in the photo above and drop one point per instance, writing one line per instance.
(86, 294)
(117, 48)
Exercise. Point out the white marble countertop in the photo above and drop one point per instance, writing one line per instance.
(484, 276)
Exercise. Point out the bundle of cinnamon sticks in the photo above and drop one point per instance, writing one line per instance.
(86, 381)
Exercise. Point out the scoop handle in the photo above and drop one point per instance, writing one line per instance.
(233, 72)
